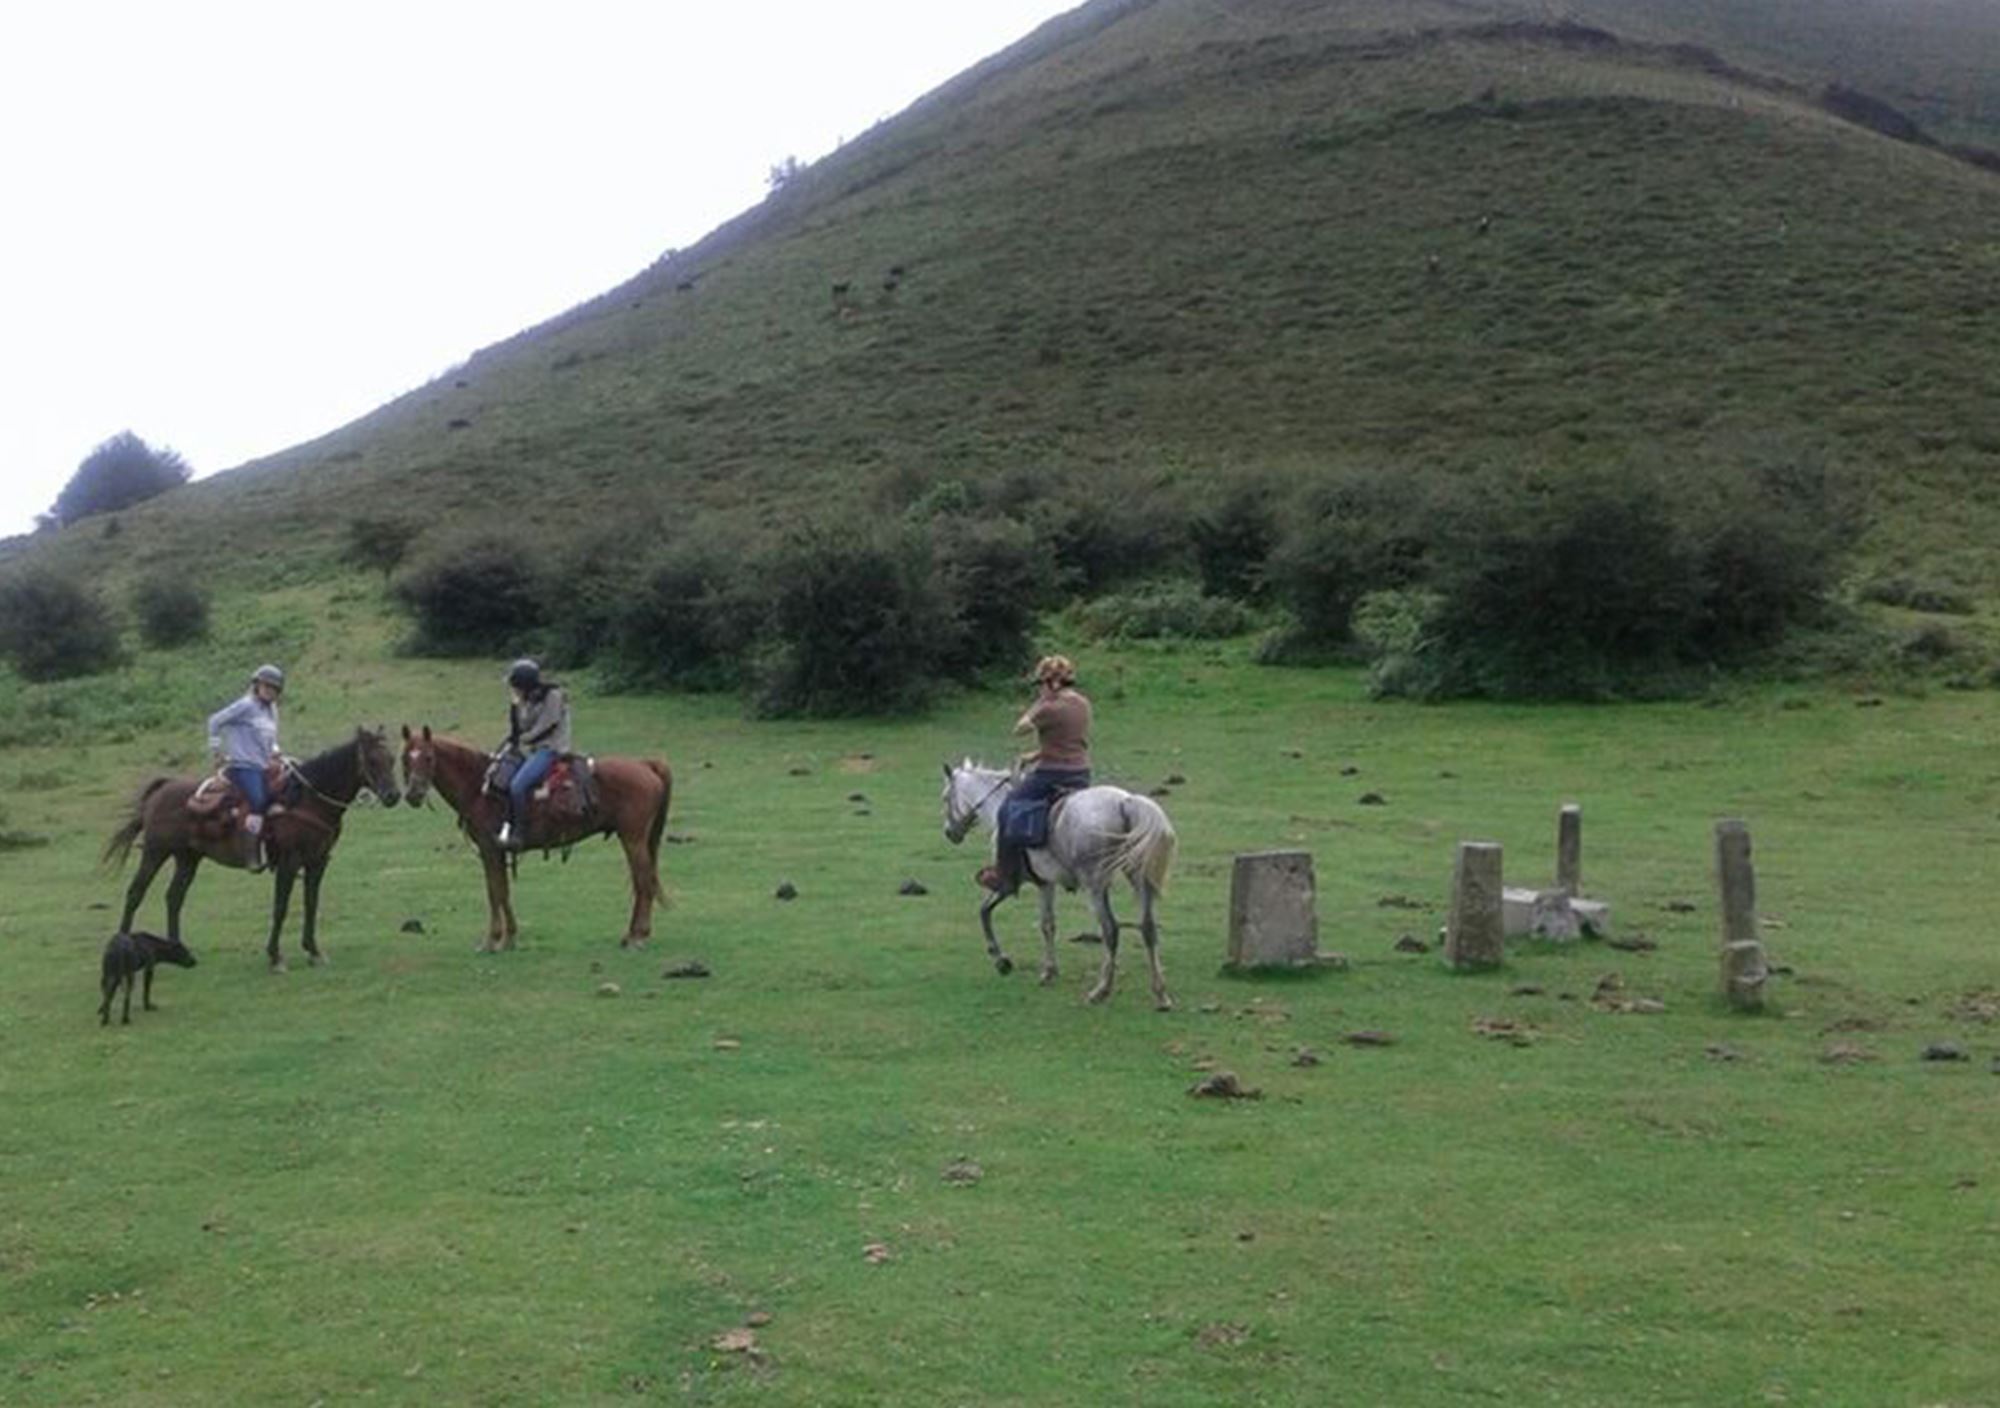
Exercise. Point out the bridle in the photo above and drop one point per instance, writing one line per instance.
(955, 829)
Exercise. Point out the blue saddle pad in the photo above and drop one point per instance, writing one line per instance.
(1025, 822)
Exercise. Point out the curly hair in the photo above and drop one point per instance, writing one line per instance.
(1058, 670)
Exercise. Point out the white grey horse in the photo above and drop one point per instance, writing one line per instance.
(1095, 836)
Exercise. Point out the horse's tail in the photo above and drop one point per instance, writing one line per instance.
(120, 844)
(659, 826)
(1146, 851)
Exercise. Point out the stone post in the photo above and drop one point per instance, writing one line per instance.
(1273, 916)
(1473, 937)
(1569, 851)
(1744, 971)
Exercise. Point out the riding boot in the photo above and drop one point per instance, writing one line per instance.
(1004, 876)
(250, 843)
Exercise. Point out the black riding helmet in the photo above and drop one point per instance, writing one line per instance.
(524, 674)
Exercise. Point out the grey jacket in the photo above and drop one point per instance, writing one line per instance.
(244, 733)
(540, 723)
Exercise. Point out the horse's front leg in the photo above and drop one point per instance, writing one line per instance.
(315, 872)
(1047, 895)
(1000, 960)
(185, 865)
(281, 900)
(498, 914)
(1149, 930)
(1107, 925)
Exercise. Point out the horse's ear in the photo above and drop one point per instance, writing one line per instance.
(406, 733)
(947, 771)
(427, 733)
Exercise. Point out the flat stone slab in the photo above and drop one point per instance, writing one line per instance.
(1517, 913)
(1273, 918)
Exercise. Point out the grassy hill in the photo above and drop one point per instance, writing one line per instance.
(1165, 242)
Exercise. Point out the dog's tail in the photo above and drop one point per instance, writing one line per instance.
(120, 844)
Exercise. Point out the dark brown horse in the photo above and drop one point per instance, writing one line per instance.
(630, 802)
(299, 837)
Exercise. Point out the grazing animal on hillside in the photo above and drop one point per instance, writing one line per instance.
(300, 839)
(631, 796)
(126, 956)
(1095, 836)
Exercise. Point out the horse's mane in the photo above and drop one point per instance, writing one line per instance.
(319, 767)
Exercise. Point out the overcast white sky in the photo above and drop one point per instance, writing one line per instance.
(230, 227)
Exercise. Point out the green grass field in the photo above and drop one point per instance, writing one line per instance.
(424, 1176)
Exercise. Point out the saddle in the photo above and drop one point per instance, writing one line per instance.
(217, 798)
(562, 801)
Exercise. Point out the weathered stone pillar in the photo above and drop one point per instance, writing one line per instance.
(1473, 937)
(1569, 850)
(1273, 911)
(1744, 971)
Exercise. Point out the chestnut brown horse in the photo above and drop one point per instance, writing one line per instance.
(300, 837)
(630, 802)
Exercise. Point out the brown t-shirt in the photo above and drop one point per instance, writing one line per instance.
(1062, 730)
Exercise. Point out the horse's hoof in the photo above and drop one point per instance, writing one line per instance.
(319, 960)
(1165, 1004)
(1096, 995)
(1048, 977)
(278, 966)
(1003, 966)
(633, 943)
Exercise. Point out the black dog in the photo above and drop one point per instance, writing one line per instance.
(127, 955)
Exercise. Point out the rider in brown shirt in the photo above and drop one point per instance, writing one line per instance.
(1060, 719)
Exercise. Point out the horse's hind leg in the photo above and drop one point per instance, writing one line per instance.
(185, 865)
(150, 862)
(645, 884)
(1149, 930)
(1047, 895)
(1107, 925)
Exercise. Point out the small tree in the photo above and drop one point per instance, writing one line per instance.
(172, 611)
(783, 173)
(53, 628)
(478, 596)
(379, 544)
(122, 471)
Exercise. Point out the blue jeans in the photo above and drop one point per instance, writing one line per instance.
(250, 782)
(533, 769)
(1039, 785)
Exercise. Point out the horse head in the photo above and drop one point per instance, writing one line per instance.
(419, 764)
(968, 791)
(378, 764)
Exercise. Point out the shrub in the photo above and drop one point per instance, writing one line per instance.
(1902, 590)
(692, 623)
(481, 596)
(379, 544)
(1107, 528)
(172, 611)
(53, 628)
(1769, 533)
(1597, 580)
(1165, 610)
(994, 577)
(1352, 533)
(1233, 535)
(855, 622)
